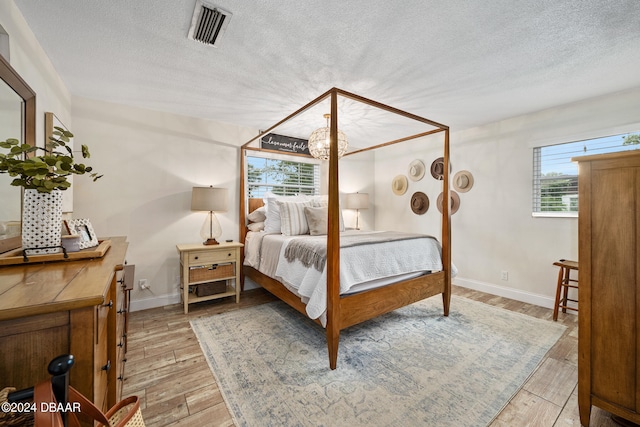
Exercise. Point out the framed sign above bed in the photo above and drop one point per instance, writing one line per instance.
(285, 144)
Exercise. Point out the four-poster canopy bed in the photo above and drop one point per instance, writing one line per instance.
(346, 310)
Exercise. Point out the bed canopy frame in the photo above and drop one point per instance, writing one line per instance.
(348, 310)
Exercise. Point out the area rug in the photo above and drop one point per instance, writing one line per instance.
(411, 367)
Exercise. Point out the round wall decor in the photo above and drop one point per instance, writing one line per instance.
(419, 203)
(463, 181)
(455, 202)
(399, 185)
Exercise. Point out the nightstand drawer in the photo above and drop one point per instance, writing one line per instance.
(212, 257)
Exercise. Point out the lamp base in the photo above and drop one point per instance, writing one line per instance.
(210, 241)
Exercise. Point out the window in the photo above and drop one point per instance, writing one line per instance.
(555, 176)
(282, 177)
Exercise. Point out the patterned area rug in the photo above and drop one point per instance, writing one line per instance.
(409, 367)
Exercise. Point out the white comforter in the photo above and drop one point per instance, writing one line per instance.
(361, 266)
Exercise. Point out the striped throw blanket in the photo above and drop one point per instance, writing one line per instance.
(312, 250)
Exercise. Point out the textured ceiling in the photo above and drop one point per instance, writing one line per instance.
(463, 63)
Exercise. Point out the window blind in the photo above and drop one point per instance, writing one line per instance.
(281, 177)
(555, 176)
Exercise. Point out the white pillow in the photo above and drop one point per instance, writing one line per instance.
(256, 226)
(292, 219)
(273, 223)
(259, 215)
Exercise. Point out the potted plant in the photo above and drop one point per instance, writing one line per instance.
(43, 177)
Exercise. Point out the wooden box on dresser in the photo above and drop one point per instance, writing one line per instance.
(609, 285)
(68, 307)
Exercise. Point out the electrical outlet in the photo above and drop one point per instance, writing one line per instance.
(143, 284)
(504, 275)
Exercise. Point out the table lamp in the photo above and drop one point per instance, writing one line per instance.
(356, 201)
(212, 200)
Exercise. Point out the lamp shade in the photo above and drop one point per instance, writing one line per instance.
(356, 201)
(209, 199)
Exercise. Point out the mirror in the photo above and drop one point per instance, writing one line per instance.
(17, 120)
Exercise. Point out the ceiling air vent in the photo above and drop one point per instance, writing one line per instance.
(208, 23)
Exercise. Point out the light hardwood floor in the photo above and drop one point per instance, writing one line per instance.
(167, 369)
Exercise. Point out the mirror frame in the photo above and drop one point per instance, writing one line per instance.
(19, 86)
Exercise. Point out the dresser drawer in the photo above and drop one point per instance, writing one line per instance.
(212, 257)
(101, 367)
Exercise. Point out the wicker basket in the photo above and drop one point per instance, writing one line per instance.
(212, 288)
(211, 272)
(14, 419)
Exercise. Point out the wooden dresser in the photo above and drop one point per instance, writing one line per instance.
(609, 285)
(67, 307)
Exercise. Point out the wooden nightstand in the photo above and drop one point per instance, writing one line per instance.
(206, 269)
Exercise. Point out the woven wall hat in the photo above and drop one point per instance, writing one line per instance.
(399, 185)
(463, 181)
(437, 168)
(416, 170)
(455, 202)
(419, 203)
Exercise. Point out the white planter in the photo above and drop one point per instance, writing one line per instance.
(41, 221)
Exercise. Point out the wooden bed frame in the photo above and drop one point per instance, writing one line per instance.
(349, 310)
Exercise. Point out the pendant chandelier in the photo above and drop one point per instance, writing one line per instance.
(319, 145)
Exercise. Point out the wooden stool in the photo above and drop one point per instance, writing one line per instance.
(564, 283)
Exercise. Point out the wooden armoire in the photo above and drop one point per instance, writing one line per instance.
(609, 285)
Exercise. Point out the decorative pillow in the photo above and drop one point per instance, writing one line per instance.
(292, 218)
(320, 201)
(256, 226)
(317, 220)
(272, 223)
(323, 201)
(259, 215)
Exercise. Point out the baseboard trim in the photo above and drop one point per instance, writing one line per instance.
(501, 291)
(489, 288)
(154, 302)
(139, 304)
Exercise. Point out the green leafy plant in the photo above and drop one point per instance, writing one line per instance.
(46, 172)
(631, 139)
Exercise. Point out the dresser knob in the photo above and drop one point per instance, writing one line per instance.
(110, 304)
(107, 367)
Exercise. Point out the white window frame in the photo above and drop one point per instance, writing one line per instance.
(557, 158)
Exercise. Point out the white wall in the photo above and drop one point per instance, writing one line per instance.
(34, 66)
(150, 161)
(355, 176)
(393, 212)
(494, 230)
